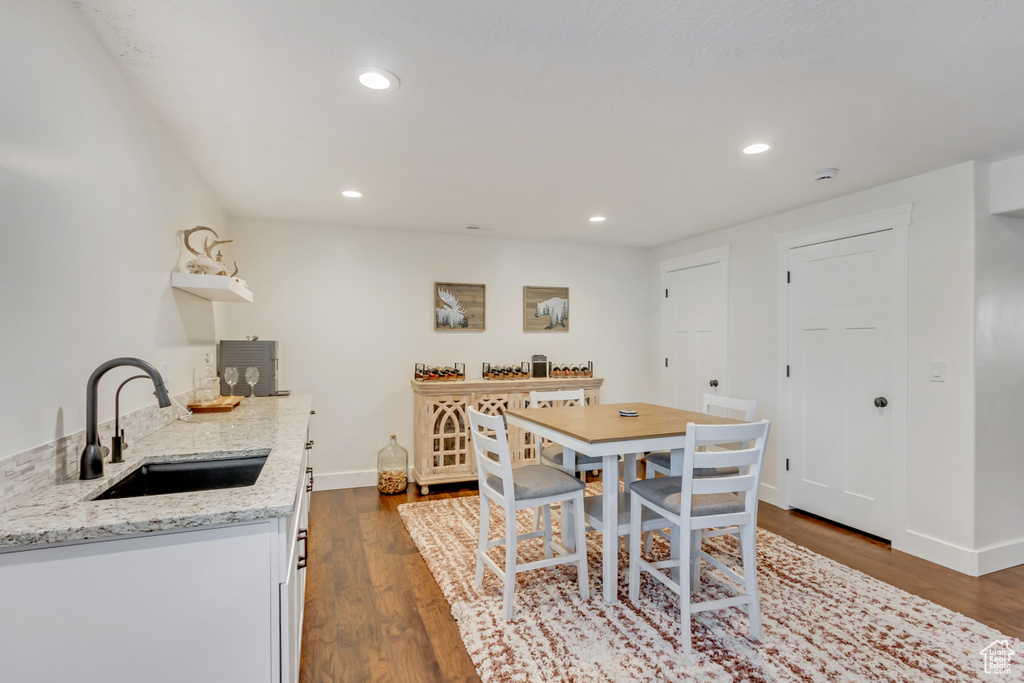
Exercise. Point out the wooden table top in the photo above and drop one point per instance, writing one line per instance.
(602, 423)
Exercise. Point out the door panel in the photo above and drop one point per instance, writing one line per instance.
(840, 348)
(694, 316)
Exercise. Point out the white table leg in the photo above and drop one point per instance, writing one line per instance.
(610, 532)
(568, 537)
(675, 470)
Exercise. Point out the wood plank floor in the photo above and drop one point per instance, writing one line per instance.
(375, 613)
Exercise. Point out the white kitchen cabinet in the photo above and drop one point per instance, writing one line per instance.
(217, 604)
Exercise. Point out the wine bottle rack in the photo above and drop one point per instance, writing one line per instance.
(442, 373)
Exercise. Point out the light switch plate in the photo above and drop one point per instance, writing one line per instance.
(937, 371)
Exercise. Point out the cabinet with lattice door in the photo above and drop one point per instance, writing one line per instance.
(441, 443)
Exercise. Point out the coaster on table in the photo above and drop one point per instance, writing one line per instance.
(628, 413)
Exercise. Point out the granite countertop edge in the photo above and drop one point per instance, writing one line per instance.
(65, 513)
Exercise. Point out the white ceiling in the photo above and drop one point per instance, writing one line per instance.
(529, 117)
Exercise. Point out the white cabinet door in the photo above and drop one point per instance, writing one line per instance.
(162, 608)
(842, 358)
(694, 318)
(292, 592)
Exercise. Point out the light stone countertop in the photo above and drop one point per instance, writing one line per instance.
(65, 513)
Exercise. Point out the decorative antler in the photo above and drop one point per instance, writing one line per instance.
(450, 301)
(188, 233)
(207, 264)
(213, 244)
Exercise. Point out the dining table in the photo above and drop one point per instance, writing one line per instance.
(602, 431)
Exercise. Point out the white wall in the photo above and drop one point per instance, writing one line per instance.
(353, 311)
(91, 196)
(1000, 381)
(939, 497)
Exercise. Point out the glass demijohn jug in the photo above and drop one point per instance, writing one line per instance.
(392, 468)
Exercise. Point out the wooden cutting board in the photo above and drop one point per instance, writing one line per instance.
(218, 405)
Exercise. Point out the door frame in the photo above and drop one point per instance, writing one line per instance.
(898, 219)
(668, 266)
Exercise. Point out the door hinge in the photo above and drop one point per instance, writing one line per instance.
(666, 293)
(787, 277)
(666, 362)
(787, 464)
(787, 371)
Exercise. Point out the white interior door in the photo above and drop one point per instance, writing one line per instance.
(842, 362)
(694, 315)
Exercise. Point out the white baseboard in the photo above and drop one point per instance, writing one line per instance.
(934, 550)
(328, 481)
(971, 562)
(996, 557)
(771, 495)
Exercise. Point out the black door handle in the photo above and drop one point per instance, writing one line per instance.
(713, 382)
(880, 402)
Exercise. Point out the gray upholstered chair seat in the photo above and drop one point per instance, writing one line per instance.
(537, 481)
(667, 493)
(663, 459)
(554, 453)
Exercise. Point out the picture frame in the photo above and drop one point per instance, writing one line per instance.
(459, 307)
(545, 309)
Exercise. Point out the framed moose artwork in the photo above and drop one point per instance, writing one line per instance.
(458, 307)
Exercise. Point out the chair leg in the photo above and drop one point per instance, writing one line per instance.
(635, 512)
(649, 473)
(685, 540)
(696, 543)
(485, 523)
(567, 515)
(581, 547)
(510, 563)
(547, 529)
(536, 519)
(748, 548)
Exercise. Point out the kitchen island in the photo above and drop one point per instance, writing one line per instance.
(197, 586)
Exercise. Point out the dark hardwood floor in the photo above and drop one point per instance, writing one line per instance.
(375, 613)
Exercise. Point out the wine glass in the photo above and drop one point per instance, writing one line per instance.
(252, 375)
(231, 377)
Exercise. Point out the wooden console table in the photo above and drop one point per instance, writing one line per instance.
(442, 448)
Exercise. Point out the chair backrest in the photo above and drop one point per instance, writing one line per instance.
(557, 397)
(500, 465)
(723, 406)
(748, 459)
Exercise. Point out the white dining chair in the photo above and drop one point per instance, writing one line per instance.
(660, 461)
(552, 453)
(517, 489)
(694, 504)
(723, 406)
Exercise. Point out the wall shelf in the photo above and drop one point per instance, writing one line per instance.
(212, 287)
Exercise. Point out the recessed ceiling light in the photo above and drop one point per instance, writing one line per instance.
(377, 79)
(757, 148)
(352, 194)
(596, 219)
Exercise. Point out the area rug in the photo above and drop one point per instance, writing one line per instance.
(822, 620)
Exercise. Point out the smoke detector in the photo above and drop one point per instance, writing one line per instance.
(826, 174)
